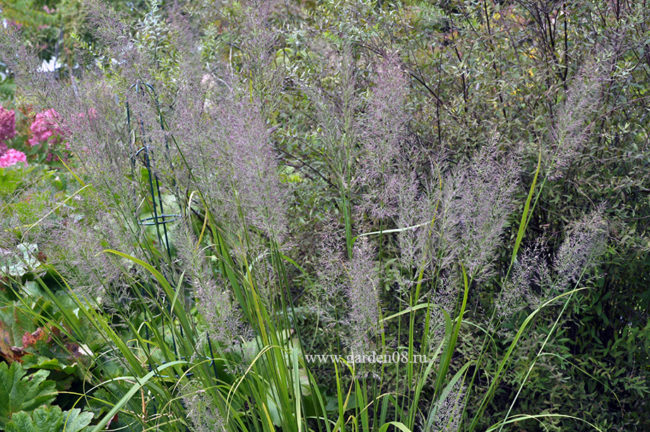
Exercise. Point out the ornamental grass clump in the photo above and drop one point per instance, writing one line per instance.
(248, 226)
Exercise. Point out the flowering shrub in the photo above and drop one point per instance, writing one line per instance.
(7, 125)
(39, 140)
(47, 131)
(8, 156)
(12, 157)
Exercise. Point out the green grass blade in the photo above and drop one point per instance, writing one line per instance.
(398, 425)
(134, 389)
(523, 417)
(524, 216)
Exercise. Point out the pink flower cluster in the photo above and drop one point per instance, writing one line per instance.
(45, 129)
(12, 157)
(46, 125)
(7, 124)
(8, 157)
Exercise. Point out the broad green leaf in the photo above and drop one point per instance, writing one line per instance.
(76, 421)
(43, 419)
(23, 393)
(49, 419)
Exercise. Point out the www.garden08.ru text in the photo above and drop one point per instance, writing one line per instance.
(373, 357)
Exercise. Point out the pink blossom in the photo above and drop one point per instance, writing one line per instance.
(3, 148)
(7, 124)
(12, 157)
(46, 125)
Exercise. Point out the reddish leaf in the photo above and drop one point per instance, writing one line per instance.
(30, 339)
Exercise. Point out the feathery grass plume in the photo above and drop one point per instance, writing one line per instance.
(188, 60)
(386, 109)
(413, 208)
(255, 169)
(203, 416)
(75, 246)
(8, 222)
(384, 132)
(258, 43)
(134, 53)
(75, 250)
(585, 240)
(330, 269)
(534, 280)
(575, 118)
(236, 166)
(447, 417)
(213, 299)
(97, 134)
(33, 84)
(246, 33)
(331, 255)
(110, 32)
(224, 138)
(193, 111)
(477, 198)
(325, 300)
(363, 297)
(336, 102)
(87, 109)
(527, 281)
(417, 210)
(129, 54)
(443, 298)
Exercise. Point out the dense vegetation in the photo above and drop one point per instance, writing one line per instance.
(448, 201)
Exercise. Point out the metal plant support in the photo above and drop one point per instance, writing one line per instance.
(159, 218)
